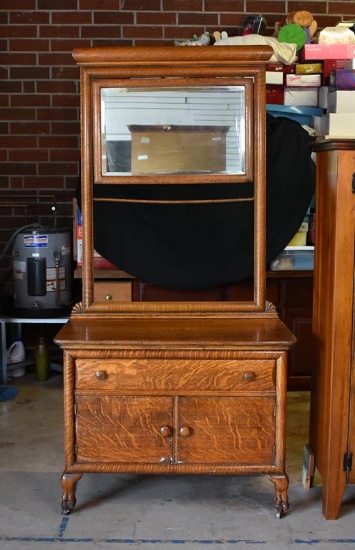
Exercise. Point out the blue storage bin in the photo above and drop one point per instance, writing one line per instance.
(303, 115)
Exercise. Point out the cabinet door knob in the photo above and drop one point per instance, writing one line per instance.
(108, 297)
(100, 374)
(249, 376)
(165, 431)
(185, 431)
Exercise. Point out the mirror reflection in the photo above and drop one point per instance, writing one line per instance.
(167, 130)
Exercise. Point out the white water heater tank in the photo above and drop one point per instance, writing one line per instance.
(42, 270)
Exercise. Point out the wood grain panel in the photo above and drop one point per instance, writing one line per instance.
(176, 375)
(227, 430)
(122, 429)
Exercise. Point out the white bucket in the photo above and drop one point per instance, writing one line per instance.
(15, 354)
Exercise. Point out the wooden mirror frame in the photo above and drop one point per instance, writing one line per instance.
(212, 66)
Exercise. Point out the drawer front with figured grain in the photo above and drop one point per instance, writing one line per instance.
(156, 375)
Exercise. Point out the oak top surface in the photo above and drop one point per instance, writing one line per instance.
(179, 332)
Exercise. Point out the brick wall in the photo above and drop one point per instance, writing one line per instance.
(39, 90)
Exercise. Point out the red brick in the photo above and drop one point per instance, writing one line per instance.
(114, 18)
(18, 59)
(4, 100)
(59, 45)
(231, 23)
(184, 5)
(57, 168)
(29, 45)
(71, 18)
(57, 142)
(60, 31)
(106, 5)
(148, 18)
(56, 87)
(29, 18)
(44, 182)
(55, 59)
(228, 6)
(57, 114)
(269, 6)
(62, 5)
(31, 128)
(28, 155)
(17, 114)
(30, 100)
(18, 168)
(21, 31)
(32, 73)
(66, 73)
(66, 100)
(198, 19)
(13, 141)
(20, 5)
(10, 87)
(98, 32)
(28, 86)
(142, 32)
(64, 155)
(66, 128)
(4, 127)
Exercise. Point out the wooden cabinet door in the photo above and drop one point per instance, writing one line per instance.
(123, 429)
(234, 430)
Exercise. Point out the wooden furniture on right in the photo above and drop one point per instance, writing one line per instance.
(332, 426)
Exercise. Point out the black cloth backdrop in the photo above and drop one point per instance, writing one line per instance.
(199, 246)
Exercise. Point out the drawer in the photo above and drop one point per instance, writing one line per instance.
(118, 291)
(172, 375)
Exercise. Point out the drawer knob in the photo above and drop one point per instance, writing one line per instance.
(165, 431)
(185, 431)
(249, 376)
(108, 297)
(100, 374)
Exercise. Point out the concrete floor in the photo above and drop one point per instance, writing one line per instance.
(120, 512)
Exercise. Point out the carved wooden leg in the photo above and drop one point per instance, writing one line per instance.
(280, 482)
(69, 482)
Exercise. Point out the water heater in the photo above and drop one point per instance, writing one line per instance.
(42, 271)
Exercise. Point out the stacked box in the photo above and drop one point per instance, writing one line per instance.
(342, 79)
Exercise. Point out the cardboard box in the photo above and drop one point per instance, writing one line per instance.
(342, 79)
(180, 149)
(306, 97)
(303, 80)
(323, 97)
(338, 125)
(350, 64)
(341, 101)
(274, 77)
(329, 65)
(280, 67)
(328, 51)
(309, 68)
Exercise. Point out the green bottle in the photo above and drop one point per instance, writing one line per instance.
(42, 360)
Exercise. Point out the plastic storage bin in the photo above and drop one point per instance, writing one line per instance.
(294, 258)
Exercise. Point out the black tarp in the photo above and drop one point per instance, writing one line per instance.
(199, 246)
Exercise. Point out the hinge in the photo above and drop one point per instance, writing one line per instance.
(347, 462)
